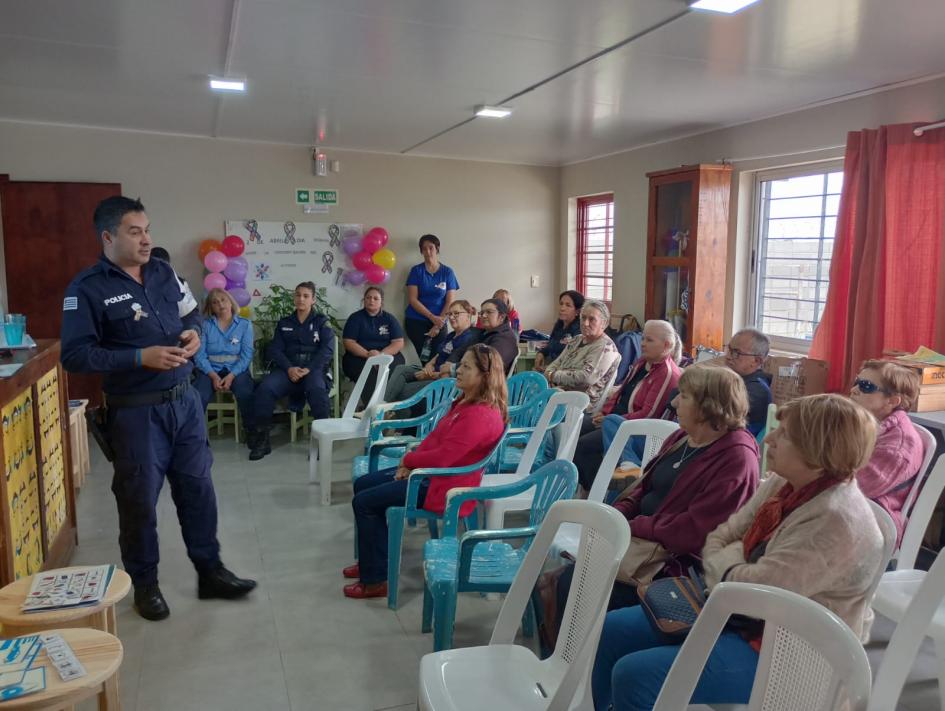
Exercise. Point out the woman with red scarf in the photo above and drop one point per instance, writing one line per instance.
(808, 529)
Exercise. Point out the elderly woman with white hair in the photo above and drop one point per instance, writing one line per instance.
(588, 362)
(643, 394)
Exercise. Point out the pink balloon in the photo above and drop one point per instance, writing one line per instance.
(215, 261)
(372, 241)
(375, 274)
(214, 280)
(380, 234)
(356, 278)
(362, 260)
(387, 276)
(233, 245)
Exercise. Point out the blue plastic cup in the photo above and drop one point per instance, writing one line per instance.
(13, 328)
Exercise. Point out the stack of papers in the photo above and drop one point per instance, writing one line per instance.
(60, 589)
(17, 676)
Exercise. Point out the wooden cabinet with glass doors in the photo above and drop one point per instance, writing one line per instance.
(687, 241)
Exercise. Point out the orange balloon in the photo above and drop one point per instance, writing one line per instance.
(207, 246)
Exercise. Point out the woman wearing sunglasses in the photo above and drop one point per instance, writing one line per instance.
(466, 434)
(405, 380)
(888, 390)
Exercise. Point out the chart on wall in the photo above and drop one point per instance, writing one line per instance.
(287, 253)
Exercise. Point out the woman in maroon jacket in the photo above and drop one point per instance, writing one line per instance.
(465, 435)
(703, 474)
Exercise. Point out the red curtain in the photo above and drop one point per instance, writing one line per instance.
(888, 266)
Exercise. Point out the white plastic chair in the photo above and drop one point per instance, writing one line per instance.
(504, 675)
(929, 446)
(350, 425)
(574, 404)
(655, 431)
(924, 610)
(809, 658)
(899, 587)
(605, 393)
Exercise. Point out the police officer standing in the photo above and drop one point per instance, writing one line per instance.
(120, 318)
(302, 347)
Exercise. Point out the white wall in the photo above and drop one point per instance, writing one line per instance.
(624, 174)
(498, 222)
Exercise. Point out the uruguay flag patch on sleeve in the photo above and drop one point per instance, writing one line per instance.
(70, 303)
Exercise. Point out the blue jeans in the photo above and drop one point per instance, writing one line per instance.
(242, 389)
(374, 493)
(633, 661)
(633, 451)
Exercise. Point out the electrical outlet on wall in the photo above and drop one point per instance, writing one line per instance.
(536, 281)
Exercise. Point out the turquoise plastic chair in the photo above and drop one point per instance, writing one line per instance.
(384, 452)
(522, 387)
(482, 561)
(397, 516)
(521, 429)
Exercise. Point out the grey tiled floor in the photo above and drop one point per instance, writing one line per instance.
(296, 642)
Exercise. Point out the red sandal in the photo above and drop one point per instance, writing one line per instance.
(360, 591)
(352, 571)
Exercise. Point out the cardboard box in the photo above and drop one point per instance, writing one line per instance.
(795, 377)
(929, 373)
(931, 398)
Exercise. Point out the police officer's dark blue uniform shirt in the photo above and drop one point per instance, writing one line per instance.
(373, 333)
(309, 344)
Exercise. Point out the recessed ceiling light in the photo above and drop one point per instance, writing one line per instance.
(493, 111)
(726, 6)
(227, 84)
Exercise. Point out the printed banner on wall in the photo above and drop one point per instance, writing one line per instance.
(287, 253)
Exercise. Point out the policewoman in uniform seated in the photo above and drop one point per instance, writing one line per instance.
(370, 332)
(301, 350)
(226, 351)
(120, 318)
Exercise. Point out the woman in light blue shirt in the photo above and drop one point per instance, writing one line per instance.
(226, 350)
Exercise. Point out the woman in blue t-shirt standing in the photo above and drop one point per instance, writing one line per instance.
(431, 287)
(369, 332)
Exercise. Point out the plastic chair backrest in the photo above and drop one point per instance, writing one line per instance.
(604, 541)
(921, 515)
(809, 658)
(529, 412)
(605, 393)
(656, 432)
(382, 363)
(890, 533)
(574, 404)
(771, 424)
(929, 446)
(512, 366)
(908, 636)
(554, 481)
(522, 386)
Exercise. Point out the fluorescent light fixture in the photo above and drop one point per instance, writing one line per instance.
(227, 84)
(493, 111)
(726, 6)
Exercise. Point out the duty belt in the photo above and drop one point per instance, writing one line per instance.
(155, 397)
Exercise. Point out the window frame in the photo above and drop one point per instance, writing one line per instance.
(759, 246)
(581, 251)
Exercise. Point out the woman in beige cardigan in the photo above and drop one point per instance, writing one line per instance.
(589, 362)
(808, 529)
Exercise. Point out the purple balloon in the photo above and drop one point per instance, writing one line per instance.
(236, 269)
(214, 281)
(234, 283)
(351, 244)
(215, 261)
(356, 277)
(386, 276)
(241, 295)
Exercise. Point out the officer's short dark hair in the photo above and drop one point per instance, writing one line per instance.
(432, 239)
(110, 211)
(161, 253)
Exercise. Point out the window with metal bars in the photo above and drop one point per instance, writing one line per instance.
(796, 218)
(595, 247)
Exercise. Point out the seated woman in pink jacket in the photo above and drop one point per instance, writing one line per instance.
(467, 433)
(644, 393)
(888, 391)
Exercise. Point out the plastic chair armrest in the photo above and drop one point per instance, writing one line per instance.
(471, 539)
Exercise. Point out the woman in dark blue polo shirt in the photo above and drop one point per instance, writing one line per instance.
(431, 287)
(367, 333)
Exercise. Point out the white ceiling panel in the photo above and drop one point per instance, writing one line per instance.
(384, 75)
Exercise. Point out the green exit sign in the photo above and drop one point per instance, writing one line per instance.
(303, 196)
(325, 197)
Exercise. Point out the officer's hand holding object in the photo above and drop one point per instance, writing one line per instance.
(190, 341)
(163, 357)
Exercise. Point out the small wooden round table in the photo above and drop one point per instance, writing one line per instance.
(100, 617)
(100, 653)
